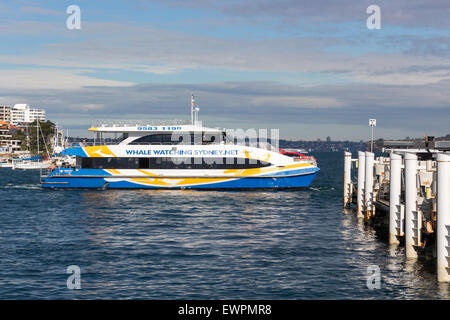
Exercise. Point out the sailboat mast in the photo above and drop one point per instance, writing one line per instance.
(37, 136)
(27, 129)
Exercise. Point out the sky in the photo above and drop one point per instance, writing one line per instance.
(311, 68)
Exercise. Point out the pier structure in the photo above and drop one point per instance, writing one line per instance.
(407, 195)
(348, 185)
(369, 208)
(443, 218)
(361, 182)
(396, 207)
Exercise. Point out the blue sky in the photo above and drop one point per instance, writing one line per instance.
(310, 68)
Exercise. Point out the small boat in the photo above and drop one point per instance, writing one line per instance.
(6, 164)
(31, 165)
(11, 163)
(179, 155)
(291, 150)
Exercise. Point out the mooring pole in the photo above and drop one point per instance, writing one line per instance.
(443, 217)
(411, 223)
(347, 179)
(368, 185)
(361, 182)
(395, 218)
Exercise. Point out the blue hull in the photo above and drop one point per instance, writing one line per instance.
(290, 182)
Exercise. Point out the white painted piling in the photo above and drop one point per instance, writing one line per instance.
(411, 222)
(406, 219)
(434, 191)
(368, 185)
(395, 212)
(347, 179)
(443, 217)
(361, 182)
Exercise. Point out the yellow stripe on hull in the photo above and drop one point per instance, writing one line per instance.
(230, 173)
(176, 182)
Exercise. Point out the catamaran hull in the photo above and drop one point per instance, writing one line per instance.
(285, 182)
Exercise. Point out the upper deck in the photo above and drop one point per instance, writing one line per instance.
(142, 126)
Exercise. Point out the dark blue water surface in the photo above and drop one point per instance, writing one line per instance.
(196, 244)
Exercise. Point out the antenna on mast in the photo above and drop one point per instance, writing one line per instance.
(192, 108)
(194, 111)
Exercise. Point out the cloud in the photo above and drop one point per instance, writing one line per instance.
(399, 109)
(295, 102)
(399, 12)
(133, 48)
(41, 11)
(400, 76)
(435, 46)
(27, 28)
(51, 79)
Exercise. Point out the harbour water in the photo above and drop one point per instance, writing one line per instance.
(145, 244)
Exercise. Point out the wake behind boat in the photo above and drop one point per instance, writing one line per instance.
(178, 155)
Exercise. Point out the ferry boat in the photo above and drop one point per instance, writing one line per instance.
(179, 155)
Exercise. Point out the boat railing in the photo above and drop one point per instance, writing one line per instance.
(96, 142)
(136, 123)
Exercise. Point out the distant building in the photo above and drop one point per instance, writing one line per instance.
(22, 113)
(5, 114)
(7, 144)
(323, 146)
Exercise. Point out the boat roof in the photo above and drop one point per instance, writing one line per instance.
(116, 126)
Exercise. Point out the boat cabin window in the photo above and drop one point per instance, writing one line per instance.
(165, 138)
(184, 138)
(212, 138)
(170, 163)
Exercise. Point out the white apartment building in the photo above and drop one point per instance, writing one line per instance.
(5, 114)
(37, 114)
(23, 113)
(7, 144)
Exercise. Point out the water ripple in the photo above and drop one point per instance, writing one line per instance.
(197, 245)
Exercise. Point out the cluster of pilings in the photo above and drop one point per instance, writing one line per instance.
(411, 189)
